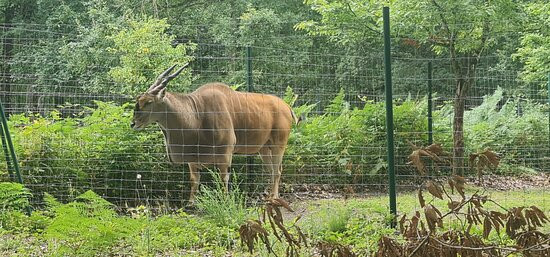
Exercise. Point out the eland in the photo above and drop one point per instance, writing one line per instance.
(206, 127)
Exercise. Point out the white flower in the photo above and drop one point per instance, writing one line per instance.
(138, 176)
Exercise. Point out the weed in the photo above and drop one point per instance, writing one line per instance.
(226, 209)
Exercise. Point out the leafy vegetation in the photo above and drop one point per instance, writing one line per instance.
(489, 57)
(145, 47)
(518, 230)
(13, 196)
(90, 226)
(347, 142)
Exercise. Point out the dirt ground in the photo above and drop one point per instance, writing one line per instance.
(500, 182)
(490, 182)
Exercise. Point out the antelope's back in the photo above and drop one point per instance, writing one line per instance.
(256, 119)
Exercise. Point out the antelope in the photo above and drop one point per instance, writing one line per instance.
(206, 127)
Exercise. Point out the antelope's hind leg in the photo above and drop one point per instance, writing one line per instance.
(272, 157)
(277, 160)
(195, 177)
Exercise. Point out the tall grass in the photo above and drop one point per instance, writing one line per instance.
(223, 208)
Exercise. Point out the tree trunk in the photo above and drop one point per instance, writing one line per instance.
(458, 126)
(464, 80)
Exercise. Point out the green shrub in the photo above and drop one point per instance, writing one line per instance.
(95, 150)
(511, 126)
(18, 222)
(145, 50)
(352, 141)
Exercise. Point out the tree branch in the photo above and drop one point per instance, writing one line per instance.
(184, 4)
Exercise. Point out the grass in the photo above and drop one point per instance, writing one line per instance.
(369, 218)
(92, 228)
(224, 209)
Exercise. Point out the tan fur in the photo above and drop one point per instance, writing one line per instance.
(208, 126)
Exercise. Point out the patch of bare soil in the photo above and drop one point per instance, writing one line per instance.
(505, 183)
(305, 192)
(318, 192)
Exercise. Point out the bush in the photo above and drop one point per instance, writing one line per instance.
(511, 126)
(146, 50)
(67, 156)
(90, 226)
(347, 144)
(346, 141)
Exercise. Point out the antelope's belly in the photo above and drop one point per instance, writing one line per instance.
(203, 154)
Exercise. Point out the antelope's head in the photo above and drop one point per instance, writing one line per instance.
(148, 107)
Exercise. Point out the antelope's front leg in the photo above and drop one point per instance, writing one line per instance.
(224, 175)
(195, 177)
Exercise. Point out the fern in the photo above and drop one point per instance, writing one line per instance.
(338, 104)
(300, 111)
(290, 98)
(13, 196)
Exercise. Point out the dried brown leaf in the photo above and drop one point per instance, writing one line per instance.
(453, 205)
(402, 224)
(459, 184)
(432, 217)
(451, 183)
(492, 158)
(472, 160)
(414, 159)
(421, 198)
(279, 202)
(437, 149)
(434, 189)
(251, 232)
(540, 214)
(487, 226)
(496, 218)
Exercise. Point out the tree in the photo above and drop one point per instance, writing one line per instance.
(145, 50)
(461, 30)
(535, 44)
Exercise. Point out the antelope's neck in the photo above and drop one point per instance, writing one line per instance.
(179, 112)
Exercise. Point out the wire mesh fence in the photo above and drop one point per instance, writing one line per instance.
(70, 116)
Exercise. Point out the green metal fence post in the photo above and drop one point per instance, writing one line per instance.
(389, 113)
(430, 118)
(7, 135)
(6, 153)
(249, 88)
(10, 143)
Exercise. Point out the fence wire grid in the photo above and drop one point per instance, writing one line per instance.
(70, 120)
